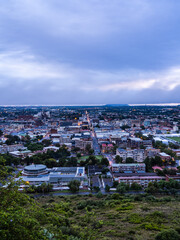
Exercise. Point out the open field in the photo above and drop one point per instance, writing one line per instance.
(177, 139)
(113, 216)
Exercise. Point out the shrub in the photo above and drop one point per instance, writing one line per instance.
(152, 226)
(99, 194)
(116, 196)
(127, 206)
(138, 198)
(135, 218)
(169, 234)
(145, 208)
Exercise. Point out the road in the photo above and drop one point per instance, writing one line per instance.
(96, 147)
(110, 158)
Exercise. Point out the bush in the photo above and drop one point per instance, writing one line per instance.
(126, 206)
(169, 234)
(99, 194)
(116, 196)
(135, 218)
(152, 226)
(138, 198)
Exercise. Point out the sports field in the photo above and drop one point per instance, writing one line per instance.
(177, 139)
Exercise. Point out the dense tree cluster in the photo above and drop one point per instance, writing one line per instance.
(163, 187)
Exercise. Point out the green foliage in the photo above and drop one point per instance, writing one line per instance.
(169, 234)
(35, 147)
(107, 188)
(3, 169)
(118, 159)
(126, 206)
(74, 186)
(135, 186)
(12, 139)
(151, 226)
(122, 188)
(135, 218)
(99, 194)
(43, 188)
(129, 160)
(169, 187)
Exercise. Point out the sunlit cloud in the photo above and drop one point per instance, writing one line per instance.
(20, 66)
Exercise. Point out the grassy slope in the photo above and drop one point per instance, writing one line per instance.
(107, 218)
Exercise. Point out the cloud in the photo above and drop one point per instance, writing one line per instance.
(85, 18)
(89, 49)
(22, 67)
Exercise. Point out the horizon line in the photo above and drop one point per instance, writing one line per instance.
(89, 104)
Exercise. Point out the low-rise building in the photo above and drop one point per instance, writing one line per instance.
(129, 167)
(10, 148)
(151, 152)
(61, 176)
(164, 156)
(141, 178)
(137, 154)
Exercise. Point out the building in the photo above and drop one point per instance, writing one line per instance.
(106, 147)
(147, 143)
(128, 167)
(65, 138)
(141, 178)
(134, 142)
(81, 143)
(61, 176)
(151, 152)
(137, 154)
(34, 170)
(20, 154)
(164, 156)
(10, 148)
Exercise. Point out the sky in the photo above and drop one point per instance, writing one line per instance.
(89, 52)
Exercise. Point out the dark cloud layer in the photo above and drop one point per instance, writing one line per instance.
(75, 51)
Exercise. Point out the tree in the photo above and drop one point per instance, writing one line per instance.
(129, 160)
(118, 159)
(88, 149)
(107, 188)
(135, 186)
(3, 168)
(74, 186)
(125, 127)
(78, 155)
(121, 188)
(50, 163)
(151, 188)
(104, 161)
(12, 139)
(17, 212)
(1, 132)
(35, 147)
(169, 234)
(46, 142)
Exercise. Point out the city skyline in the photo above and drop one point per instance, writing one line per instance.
(76, 52)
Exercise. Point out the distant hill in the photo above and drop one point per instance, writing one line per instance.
(116, 105)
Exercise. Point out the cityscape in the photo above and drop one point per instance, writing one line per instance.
(98, 146)
(89, 120)
(92, 151)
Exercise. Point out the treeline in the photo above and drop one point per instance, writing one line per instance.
(43, 188)
(162, 187)
(157, 161)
